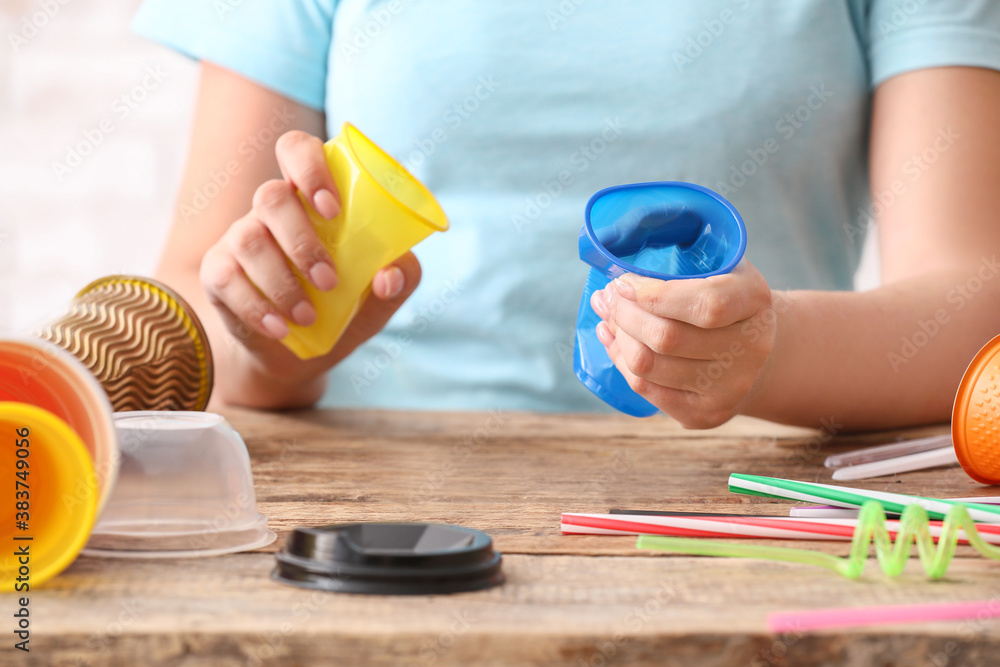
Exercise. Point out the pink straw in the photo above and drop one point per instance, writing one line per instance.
(845, 617)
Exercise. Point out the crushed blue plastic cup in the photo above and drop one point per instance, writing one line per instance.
(667, 230)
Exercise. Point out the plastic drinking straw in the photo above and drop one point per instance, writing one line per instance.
(826, 512)
(892, 556)
(754, 527)
(831, 512)
(882, 452)
(709, 526)
(846, 617)
(930, 459)
(842, 496)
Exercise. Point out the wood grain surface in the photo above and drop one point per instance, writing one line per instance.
(568, 600)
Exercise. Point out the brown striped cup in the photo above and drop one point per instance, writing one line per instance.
(142, 342)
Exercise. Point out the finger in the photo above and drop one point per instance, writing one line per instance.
(264, 264)
(724, 373)
(665, 336)
(243, 308)
(303, 163)
(691, 408)
(708, 303)
(389, 283)
(665, 371)
(668, 399)
(276, 205)
(397, 281)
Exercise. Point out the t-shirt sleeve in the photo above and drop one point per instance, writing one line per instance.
(281, 44)
(906, 35)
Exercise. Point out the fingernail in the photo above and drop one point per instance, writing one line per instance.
(323, 276)
(394, 281)
(326, 204)
(274, 325)
(625, 289)
(303, 313)
(604, 334)
(598, 301)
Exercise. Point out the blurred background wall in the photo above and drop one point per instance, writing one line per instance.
(93, 136)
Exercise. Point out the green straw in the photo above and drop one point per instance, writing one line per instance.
(843, 496)
(892, 556)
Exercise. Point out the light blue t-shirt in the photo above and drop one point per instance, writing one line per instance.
(514, 113)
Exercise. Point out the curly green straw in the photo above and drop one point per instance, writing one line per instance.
(892, 556)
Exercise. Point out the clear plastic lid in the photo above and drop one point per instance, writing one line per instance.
(184, 489)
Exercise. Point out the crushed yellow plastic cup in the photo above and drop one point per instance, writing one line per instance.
(45, 461)
(385, 211)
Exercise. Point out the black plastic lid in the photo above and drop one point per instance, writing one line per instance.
(389, 559)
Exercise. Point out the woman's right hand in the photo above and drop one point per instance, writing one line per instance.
(247, 274)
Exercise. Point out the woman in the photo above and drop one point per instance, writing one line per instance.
(814, 118)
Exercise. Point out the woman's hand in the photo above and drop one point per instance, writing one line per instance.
(697, 348)
(247, 274)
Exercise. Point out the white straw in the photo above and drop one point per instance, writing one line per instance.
(882, 452)
(932, 459)
(823, 512)
(830, 512)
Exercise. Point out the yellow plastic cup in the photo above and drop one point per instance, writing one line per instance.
(385, 212)
(46, 462)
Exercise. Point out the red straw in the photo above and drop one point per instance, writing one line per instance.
(791, 528)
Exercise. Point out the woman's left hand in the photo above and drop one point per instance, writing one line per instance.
(696, 348)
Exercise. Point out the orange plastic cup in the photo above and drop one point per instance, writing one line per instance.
(47, 502)
(975, 417)
(39, 373)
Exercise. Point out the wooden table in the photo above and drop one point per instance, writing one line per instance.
(568, 600)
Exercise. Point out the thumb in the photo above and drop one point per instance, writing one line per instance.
(396, 282)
